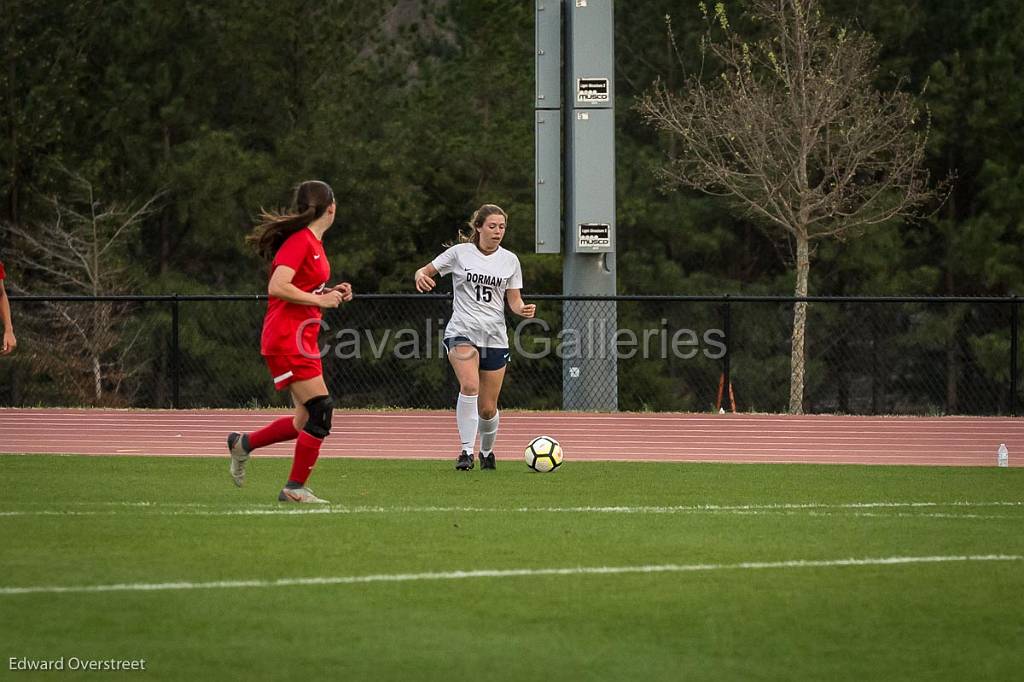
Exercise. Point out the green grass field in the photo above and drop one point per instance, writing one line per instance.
(371, 588)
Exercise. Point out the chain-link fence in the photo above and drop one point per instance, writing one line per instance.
(658, 353)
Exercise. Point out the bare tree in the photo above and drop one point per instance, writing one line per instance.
(793, 132)
(82, 251)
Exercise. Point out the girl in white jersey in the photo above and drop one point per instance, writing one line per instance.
(484, 276)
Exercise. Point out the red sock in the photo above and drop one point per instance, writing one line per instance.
(307, 449)
(275, 432)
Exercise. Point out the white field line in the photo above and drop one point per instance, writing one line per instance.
(853, 508)
(502, 573)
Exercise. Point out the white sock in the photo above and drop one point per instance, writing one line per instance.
(467, 419)
(488, 432)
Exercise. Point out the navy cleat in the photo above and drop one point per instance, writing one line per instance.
(464, 462)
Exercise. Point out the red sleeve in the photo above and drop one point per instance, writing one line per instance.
(292, 253)
(3, 274)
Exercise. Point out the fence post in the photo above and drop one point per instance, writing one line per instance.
(727, 331)
(1014, 351)
(175, 379)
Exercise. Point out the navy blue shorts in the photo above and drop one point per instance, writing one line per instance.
(491, 358)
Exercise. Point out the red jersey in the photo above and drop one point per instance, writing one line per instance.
(303, 253)
(3, 275)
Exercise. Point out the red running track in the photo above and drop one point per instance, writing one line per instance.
(663, 437)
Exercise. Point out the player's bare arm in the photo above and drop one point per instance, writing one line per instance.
(281, 287)
(425, 278)
(517, 305)
(9, 342)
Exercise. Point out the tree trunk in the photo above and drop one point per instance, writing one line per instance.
(952, 314)
(796, 377)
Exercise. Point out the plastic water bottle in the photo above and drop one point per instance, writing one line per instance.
(1003, 456)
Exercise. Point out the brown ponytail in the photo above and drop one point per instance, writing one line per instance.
(477, 221)
(312, 198)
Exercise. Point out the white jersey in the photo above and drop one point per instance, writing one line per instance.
(479, 282)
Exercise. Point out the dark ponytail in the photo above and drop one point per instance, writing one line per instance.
(312, 198)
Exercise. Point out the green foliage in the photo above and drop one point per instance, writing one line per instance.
(418, 111)
(419, 114)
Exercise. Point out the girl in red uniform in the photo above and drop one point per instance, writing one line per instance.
(298, 291)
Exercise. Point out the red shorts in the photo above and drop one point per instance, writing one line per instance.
(286, 369)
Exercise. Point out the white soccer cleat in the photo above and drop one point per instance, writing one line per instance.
(300, 495)
(239, 456)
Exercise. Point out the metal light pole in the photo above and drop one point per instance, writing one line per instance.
(589, 367)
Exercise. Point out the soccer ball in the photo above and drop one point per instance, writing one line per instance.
(543, 454)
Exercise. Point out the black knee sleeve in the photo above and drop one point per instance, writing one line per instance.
(321, 409)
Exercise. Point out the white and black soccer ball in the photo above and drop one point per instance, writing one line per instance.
(543, 454)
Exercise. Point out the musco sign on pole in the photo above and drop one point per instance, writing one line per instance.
(592, 91)
(594, 236)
